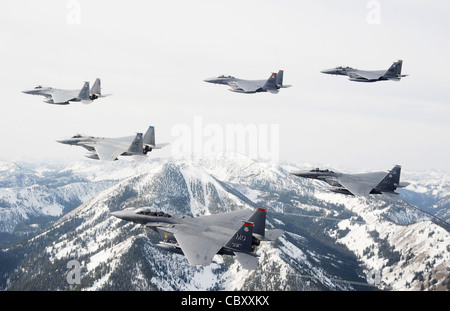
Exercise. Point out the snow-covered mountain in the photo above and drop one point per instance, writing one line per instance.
(33, 194)
(430, 191)
(331, 241)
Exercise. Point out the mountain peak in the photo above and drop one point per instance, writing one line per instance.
(330, 240)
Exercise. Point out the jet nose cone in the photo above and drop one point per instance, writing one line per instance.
(62, 141)
(125, 214)
(298, 173)
(118, 214)
(328, 70)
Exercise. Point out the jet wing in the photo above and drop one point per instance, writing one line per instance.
(231, 220)
(60, 97)
(361, 184)
(368, 75)
(206, 235)
(108, 152)
(198, 249)
(247, 86)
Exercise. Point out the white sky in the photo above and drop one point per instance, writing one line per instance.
(154, 55)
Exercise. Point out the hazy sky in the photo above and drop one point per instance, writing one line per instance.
(154, 55)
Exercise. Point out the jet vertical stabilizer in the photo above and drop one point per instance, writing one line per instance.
(259, 231)
(242, 239)
(137, 145)
(279, 79)
(391, 181)
(149, 136)
(84, 94)
(150, 141)
(96, 90)
(271, 84)
(395, 71)
(241, 245)
(259, 220)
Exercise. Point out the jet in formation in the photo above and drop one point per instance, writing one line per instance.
(65, 97)
(109, 149)
(199, 239)
(358, 184)
(394, 73)
(271, 85)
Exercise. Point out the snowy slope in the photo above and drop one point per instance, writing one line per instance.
(331, 241)
(31, 192)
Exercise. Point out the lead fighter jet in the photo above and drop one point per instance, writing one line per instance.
(272, 85)
(108, 149)
(64, 97)
(199, 239)
(394, 73)
(358, 184)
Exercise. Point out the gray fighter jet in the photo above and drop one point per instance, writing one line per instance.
(199, 239)
(108, 149)
(272, 85)
(394, 73)
(64, 97)
(358, 184)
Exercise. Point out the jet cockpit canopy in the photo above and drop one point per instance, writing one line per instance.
(322, 171)
(152, 212)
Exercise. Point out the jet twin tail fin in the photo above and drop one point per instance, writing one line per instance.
(279, 79)
(96, 88)
(137, 145)
(259, 220)
(391, 181)
(242, 239)
(150, 141)
(271, 83)
(149, 136)
(84, 94)
(395, 71)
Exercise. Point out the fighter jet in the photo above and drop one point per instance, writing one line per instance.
(358, 184)
(394, 73)
(199, 239)
(272, 85)
(108, 149)
(64, 97)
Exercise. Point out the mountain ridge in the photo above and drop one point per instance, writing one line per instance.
(331, 242)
